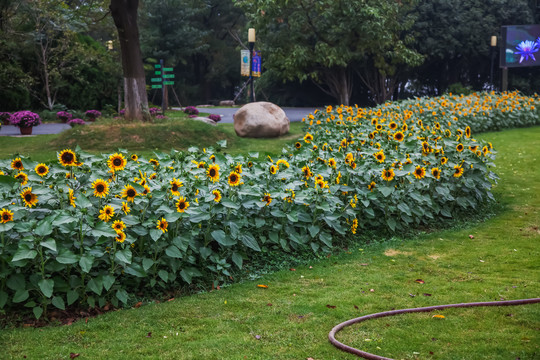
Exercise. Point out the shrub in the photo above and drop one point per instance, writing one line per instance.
(215, 117)
(92, 115)
(191, 110)
(25, 119)
(4, 118)
(75, 122)
(64, 116)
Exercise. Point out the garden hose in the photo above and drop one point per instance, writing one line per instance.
(365, 355)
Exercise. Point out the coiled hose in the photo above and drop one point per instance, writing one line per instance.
(366, 355)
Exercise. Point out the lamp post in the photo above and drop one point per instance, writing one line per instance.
(251, 41)
(493, 45)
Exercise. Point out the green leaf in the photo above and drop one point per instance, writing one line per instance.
(67, 257)
(49, 244)
(391, 222)
(205, 252)
(314, 246)
(6, 226)
(86, 263)
(222, 238)
(222, 143)
(172, 217)
(386, 190)
(20, 296)
(38, 311)
(96, 285)
(155, 234)
(103, 229)
(174, 252)
(229, 204)
(136, 270)
(147, 263)
(59, 303)
(122, 295)
(237, 259)
(292, 216)
(44, 228)
(130, 220)
(326, 238)
(3, 299)
(108, 281)
(123, 255)
(24, 253)
(46, 286)
(250, 241)
(163, 275)
(313, 230)
(16, 282)
(189, 273)
(72, 296)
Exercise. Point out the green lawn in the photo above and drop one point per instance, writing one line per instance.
(494, 259)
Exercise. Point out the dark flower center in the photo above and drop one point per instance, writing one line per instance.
(131, 193)
(212, 172)
(5, 217)
(175, 187)
(117, 162)
(41, 170)
(68, 158)
(28, 197)
(100, 188)
(182, 205)
(234, 178)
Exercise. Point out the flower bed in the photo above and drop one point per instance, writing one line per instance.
(98, 229)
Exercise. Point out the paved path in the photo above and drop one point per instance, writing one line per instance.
(45, 128)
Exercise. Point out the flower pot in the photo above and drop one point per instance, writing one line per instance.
(26, 130)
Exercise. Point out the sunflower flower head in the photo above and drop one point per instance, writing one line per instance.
(41, 169)
(175, 186)
(71, 198)
(217, 195)
(5, 216)
(106, 213)
(234, 179)
(30, 199)
(101, 188)
(129, 193)
(67, 158)
(267, 198)
(162, 225)
(213, 172)
(182, 204)
(118, 226)
(117, 162)
(419, 172)
(17, 164)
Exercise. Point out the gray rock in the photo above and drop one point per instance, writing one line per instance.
(260, 119)
(206, 120)
(226, 103)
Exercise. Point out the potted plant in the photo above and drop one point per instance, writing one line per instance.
(64, 116)
(25, 120)
(92, 115)
(4, 118)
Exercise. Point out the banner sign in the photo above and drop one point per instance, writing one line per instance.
(244, 62)
(256, 69)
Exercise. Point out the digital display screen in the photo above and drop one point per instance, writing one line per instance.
(520, 46)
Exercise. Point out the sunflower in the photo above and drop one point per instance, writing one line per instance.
(117, 162)
(297, 145)
(419, 172)
(30, 199)
(447, 133)
(329, 109)
(67, 158)
(392, 125)
(162, 225)
(125, 208)
(22, 177)
(213, 172)
(250, 164)
(182, 204)
(380, 156)
(388, 175)
(354, 226)
(134, 157)
(154, 162)
(106, 213)
(101, 188)
(473, 148)
(234, 179)
(332, 162)
(307, 172)
(213, 158)
(344, 143)
(485, 150)
(280, 162)
(436, 173)
(175, 186)
(353, 165)
(147, 189)
(17, 164)
(308, 138)
(120, 237)
(404, 127)
(321, 184)
(425, 147)
(372, 186)
(5, 216)
(444, 160)
(467, 132)
(71, 198)
(458, 171)
(273, 169)
(398, 136)
(129, 192)
(217, 195)
(41, 169)
(460, 147)
(378, 127)
(267, 198)
(118, 226)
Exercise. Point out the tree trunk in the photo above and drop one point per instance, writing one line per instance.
(339, 84)
(124, 13)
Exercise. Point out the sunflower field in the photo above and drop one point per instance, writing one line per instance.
(90, 230)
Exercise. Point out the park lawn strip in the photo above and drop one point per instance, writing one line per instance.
(292, 317)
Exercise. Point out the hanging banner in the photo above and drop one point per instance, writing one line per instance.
(244, 62)
(256, 64)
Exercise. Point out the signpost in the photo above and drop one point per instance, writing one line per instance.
(161, 83)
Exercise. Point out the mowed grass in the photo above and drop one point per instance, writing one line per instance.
(292, 317)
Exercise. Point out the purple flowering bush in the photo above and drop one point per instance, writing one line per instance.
(215, 117)
(4, 118)
(64, 116)
(161, 117)
(75, 122)
(92, 115)
(191, 110)
(154, 111)
(25, 119)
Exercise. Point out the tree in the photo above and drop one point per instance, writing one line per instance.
(124, 13)
(328, 41)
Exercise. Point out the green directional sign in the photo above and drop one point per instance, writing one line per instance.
(157, 72)
(168, 76)
(157, 66)
(167, 69)
(156, 86)
(156, 79)
(168, 82)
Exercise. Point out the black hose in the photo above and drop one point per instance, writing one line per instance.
(365, 355)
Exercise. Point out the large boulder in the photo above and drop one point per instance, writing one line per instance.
(260, 119)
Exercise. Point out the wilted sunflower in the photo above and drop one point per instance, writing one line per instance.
(5, 216)
(67, 158)
(419, 172)
(436, 173)
(372, 186)
(213, 172)
(267, 198)
(162, 225)
(234, 179)
(101, 188)
(379, 155)
(106, 213)
(129, 193)
(460, 147)
(17, 164)
(125, 208)
(175, 186)
(117, 162)
(273, 169)
(388, 175)
(30, 199)
(120, 237)
(182, 204)
(22, 177)
(71, 198)
(217, 195)
(118, 226)
(41, 169)
(458, 171)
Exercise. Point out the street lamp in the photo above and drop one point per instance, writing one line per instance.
(251, 41)
(493, 45)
